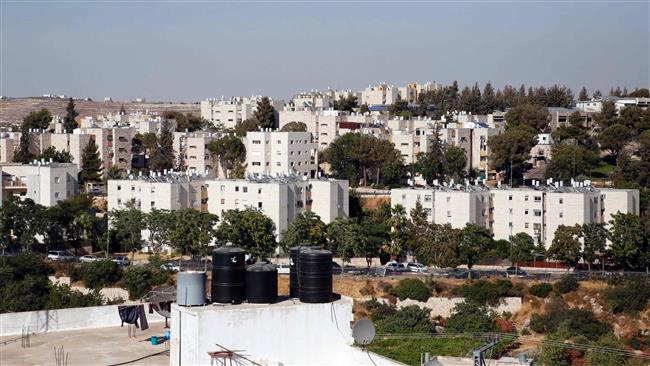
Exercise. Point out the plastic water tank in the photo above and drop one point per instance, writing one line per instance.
(315, 275)
(262, 283)
(228, 275)
(294, 265)
(190, 288)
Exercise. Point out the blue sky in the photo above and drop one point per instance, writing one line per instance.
(188, 51)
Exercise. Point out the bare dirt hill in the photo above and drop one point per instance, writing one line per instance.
(13, 110)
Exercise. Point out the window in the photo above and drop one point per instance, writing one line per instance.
(561, 200)
(194, 203)
(119, 187)
(132, 188)
(510, 198)
(256, 163)
(259, 204)
(526, 198)
(526, 212)
(526, 225)
(278, 164)
(56, 194)
(153, 203)
(537, 213)
(448, 199)
(259, 191)
(236, 202)
(119, 201)
(245, 189)
(223, 201)
(279, 141)
(561, 214)
(538, 198)
(510, 224)
(510, 211)
(236, 188)
(427, 198)
(223, 188)
(448, 213)
(256, 142)
(57, 179)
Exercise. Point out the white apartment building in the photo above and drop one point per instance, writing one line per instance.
(191, 150)
(541, 152)
(326, 125)
(45, 183)
(74, 143)
(232, 111)
(9, 142)
(537, 211)
(412, 91)
(312, 100)
(273, 153)
(281, 199)
(381, 94)
(114, 145)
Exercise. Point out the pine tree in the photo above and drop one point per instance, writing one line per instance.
(22, 153)
(91, 164)
(488, 102)
(162, 156)
(69, 122)
(583, 94)
(265, 113)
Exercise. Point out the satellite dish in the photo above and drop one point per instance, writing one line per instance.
(363, 332)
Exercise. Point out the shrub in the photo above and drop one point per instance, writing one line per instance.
(484, 292)
(576, 322)
(566, 284)
(409, 319)
(139, 280)
(631, 298)
(540, 290)
(62, 296)
(525, 332)
(469, 317)
(504, 325)
(411, 288)
(378, 310)
(96, 275)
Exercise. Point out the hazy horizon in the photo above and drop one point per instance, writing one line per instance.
(189, 51)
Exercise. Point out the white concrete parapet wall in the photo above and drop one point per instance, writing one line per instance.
(444, 306)
(65, 319)
(286, 333)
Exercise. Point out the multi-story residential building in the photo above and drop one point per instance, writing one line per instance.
(537, 211)
(9, 142)
(325, 125)
(412, 91)
(230, 112)
(74, 143)
(560, 117)
(281, 199)
(381, 94)
(171, 191)
(273, 153)
(191, 150)
(312, 100)
(46, 183)
(541, 152)
(114, 145)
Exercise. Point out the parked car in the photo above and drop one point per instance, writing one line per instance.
(336, 268)
(515, 272)
(60, 256)
(283, 268)
(395, 267)
(121, 260)
(416, 267)
(88, 258)
(170, 267)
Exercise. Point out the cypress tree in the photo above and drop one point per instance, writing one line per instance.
(91, 164)
(265, 113)
(22, 153)
(69, 122)
(162, 155)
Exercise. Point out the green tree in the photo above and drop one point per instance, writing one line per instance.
(511, 149)
(583, 96)
(91, 164)
(247, 125)
(69, 121)
(469, 318)
(294, 127)
(162, 155)
(128, 224)
(161, 225)
(56, 156)
(431, 164)
(488, 102)
(439, 246)
(23, 153)
(455, 162)
(114, 172)
(39, 120)
(550, 354)
(614, 139)
(347, 104)
(522, 248)
(149, 142)
(399, 232)
(574, 131)
(248, 229)
(566, 246)
(474, 241)
(569, 161)
(20, 222)
(595, 237)
(628, 239)
(344, 236)
(192, 231)
(186, 122)
(596, 358)
(607, 115)
(306, 228)
(400, 106)
(534, 116)
(265, 113)
(228, 152)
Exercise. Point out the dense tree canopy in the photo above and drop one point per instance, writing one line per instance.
(248, 229)
(39, 120)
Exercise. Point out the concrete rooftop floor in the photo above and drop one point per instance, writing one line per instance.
(96, 346)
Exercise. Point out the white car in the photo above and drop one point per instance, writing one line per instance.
(283, 268)
(121, 260)
(393, 266)
(59, 256)
(88, 258)
(170, 267)
(416, 267)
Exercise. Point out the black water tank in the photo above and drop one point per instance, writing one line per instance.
(294, 265)
(228, 275)
(315, 275)
(262, 283)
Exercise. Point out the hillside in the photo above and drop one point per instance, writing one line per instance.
(12, 110)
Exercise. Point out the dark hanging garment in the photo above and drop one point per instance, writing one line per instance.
(144, 325)
(129, 314)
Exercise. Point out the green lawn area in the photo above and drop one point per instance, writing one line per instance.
(408, 351)
(603, 171)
